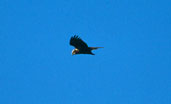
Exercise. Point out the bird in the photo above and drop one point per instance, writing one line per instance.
(80, 46)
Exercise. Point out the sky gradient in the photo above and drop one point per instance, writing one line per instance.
(36, 65)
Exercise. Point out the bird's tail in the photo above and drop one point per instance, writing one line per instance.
(94, 48)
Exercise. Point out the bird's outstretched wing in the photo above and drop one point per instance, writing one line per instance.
(78, 42)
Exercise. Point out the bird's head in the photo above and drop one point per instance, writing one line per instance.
(75, 51)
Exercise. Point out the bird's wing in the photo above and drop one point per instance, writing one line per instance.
(78, 42)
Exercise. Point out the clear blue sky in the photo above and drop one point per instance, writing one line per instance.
(36, 65)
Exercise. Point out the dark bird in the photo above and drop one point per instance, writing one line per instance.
(80, 46)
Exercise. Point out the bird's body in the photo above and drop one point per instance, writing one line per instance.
(80, 46)
(84, 51)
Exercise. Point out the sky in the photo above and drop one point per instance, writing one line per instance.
(36, 65)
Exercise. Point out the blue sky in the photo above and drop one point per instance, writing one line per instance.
(36, 65)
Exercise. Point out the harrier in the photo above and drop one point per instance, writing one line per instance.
(80, 46)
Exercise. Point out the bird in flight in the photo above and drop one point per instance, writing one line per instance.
(80, 46)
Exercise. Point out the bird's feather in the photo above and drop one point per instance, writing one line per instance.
(78, 42)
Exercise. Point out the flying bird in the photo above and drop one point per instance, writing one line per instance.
(80, 46)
